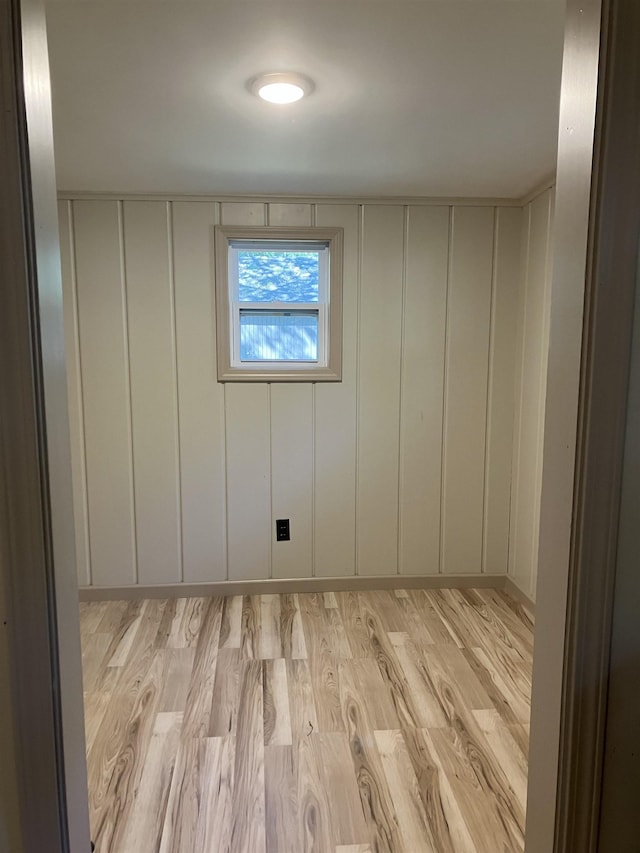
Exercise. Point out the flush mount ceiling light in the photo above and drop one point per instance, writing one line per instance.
(281, 88)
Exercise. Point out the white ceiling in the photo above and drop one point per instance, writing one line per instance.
(413, 97)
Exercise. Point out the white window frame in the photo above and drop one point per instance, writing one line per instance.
(328, 368)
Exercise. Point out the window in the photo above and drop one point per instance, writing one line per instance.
(278, 303)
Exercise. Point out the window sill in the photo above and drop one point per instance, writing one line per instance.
(311, 374)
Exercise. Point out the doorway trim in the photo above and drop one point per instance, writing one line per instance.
(596, 231)
(40, 629)
(609, 315)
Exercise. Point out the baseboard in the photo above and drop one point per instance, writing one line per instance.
(291, 585)
(515, 592)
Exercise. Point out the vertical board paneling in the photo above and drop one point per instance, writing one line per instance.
(248, 484)
(292, 450)
(379, 391)
(422, 388)
(466, 375)
(289, 214)
(74, 385)
(200, 396)
(356, 465)
(242, 213)
(502, 376)
(335, 420)
(102, 325)
(153, 391)
(247, 409)
(292, 478)
(534, 353)
(528, 453)
(518, 392)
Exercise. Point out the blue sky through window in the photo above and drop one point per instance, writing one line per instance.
(281, 276)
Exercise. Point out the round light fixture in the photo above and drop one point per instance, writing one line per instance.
(281, 88)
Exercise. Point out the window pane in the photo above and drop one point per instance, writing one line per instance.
(273, 336)
(283, 276)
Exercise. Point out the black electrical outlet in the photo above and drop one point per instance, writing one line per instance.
(282, 530)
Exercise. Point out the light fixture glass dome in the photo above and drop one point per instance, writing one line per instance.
(281, 88)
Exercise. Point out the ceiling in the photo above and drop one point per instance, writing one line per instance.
(412, 97)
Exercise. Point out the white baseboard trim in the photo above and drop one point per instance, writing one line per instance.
(514, 591)
(290, 585)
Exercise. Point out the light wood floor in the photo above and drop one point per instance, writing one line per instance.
(336, 723)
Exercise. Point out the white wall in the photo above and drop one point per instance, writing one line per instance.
(404, 466)
(533, 346)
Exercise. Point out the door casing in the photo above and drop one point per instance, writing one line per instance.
(37, 549)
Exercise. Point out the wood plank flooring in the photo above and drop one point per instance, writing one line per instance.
(377, 722)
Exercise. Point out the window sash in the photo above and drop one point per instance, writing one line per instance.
(321, 307)
(236, 246)
(310, 308)
(313, 313)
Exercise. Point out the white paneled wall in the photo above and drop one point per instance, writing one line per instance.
(532, 350)
(502, 384)
(379, 389)
(422, 383)
(403, 467)
(148, 274)
(466, 386)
